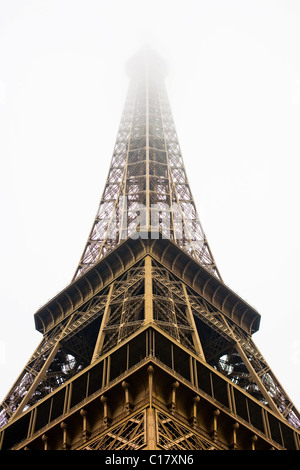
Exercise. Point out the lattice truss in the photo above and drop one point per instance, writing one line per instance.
(225, 346)
(147, 187)
(132, 435)
(173, 435)
(64, 350)
(67, 348)
(128, 435)
(116, 312)
(126, 311)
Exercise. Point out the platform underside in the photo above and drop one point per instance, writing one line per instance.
(145, 404)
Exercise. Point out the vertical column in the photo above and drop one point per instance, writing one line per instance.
(172, 405)
(235, 427)
(253, 442)
(151, 431)
(148, 290)
(65, 439)
(128, 405)
(214, 432)
(193, 419)
(106, 417)
(85, 433)
(45, 441)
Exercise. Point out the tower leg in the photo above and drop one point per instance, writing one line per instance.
(151, 429)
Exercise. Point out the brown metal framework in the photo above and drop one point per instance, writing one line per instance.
(147, 348)
(147, 187)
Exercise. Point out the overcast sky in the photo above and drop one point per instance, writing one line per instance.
(234, 88)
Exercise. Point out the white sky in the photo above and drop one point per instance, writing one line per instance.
(234, 88)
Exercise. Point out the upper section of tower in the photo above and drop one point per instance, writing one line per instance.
(147, 191)
(147, 59)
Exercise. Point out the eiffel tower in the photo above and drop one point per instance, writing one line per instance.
(147, 348)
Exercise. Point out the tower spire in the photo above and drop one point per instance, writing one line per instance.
(147, 193)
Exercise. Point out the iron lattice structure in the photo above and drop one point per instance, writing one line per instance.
(147, 188)
(147, 348)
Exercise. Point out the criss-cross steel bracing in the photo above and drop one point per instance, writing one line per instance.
(147, 348)
(147, 188)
